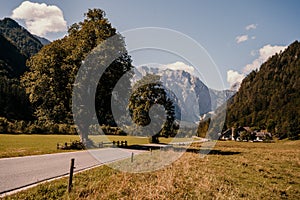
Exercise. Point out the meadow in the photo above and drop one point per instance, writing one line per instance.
(12, 145)
(232, 170)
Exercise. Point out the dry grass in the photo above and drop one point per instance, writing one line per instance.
(233, 170)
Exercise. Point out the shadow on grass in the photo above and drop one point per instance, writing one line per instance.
(217, 152)
(163, 147)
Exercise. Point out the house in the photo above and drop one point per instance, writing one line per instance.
(261, 136)
(245, 134)
(226, 135)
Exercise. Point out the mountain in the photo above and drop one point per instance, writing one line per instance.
(270, 98)
(220, 97)
(44, 41)
(12, 61)
(194, 97)
(20, 37)
(17, 45)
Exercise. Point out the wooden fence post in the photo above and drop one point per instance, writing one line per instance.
(71, 175)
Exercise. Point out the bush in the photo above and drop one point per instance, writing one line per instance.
(293, 136)
(77, 145)
(3, 125)
(153, 139)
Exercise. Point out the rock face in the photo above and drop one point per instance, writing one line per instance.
(219, 97)
(192, 95)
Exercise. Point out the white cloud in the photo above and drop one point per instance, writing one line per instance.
(40, 19)
(251, 26)
(234, 79)
(179, 66)
(241, 38)
(264, 53)
(253, 53)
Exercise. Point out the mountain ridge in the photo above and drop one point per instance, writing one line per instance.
(188, 88)
(20, 37)
(42, 40)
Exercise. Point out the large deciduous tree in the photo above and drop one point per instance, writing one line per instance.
(52, 71)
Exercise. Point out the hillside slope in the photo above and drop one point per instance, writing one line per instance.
(270, 98)
(17, 45)
(12, 62)
(20, 37)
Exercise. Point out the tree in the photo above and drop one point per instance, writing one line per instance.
(203, 127)
(147, 93)
(52, 71)
(271, 126)
(14, 102)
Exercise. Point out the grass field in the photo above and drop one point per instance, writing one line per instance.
(233, 170)
(23, 145)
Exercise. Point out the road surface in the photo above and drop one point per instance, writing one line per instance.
(20, 172)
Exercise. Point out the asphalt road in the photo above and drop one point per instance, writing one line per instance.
(19, 172)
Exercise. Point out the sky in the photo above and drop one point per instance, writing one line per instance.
(236, 35)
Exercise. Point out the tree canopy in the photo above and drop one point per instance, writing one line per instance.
(52, 70)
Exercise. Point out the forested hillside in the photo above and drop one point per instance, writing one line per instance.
(12, 62)
(270, 98)
(17, 45)
(20, 37)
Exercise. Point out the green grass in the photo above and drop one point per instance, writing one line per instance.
(233, 170)
(24, 145)
(131, 140)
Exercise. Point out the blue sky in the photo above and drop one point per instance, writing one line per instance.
(214, 24)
